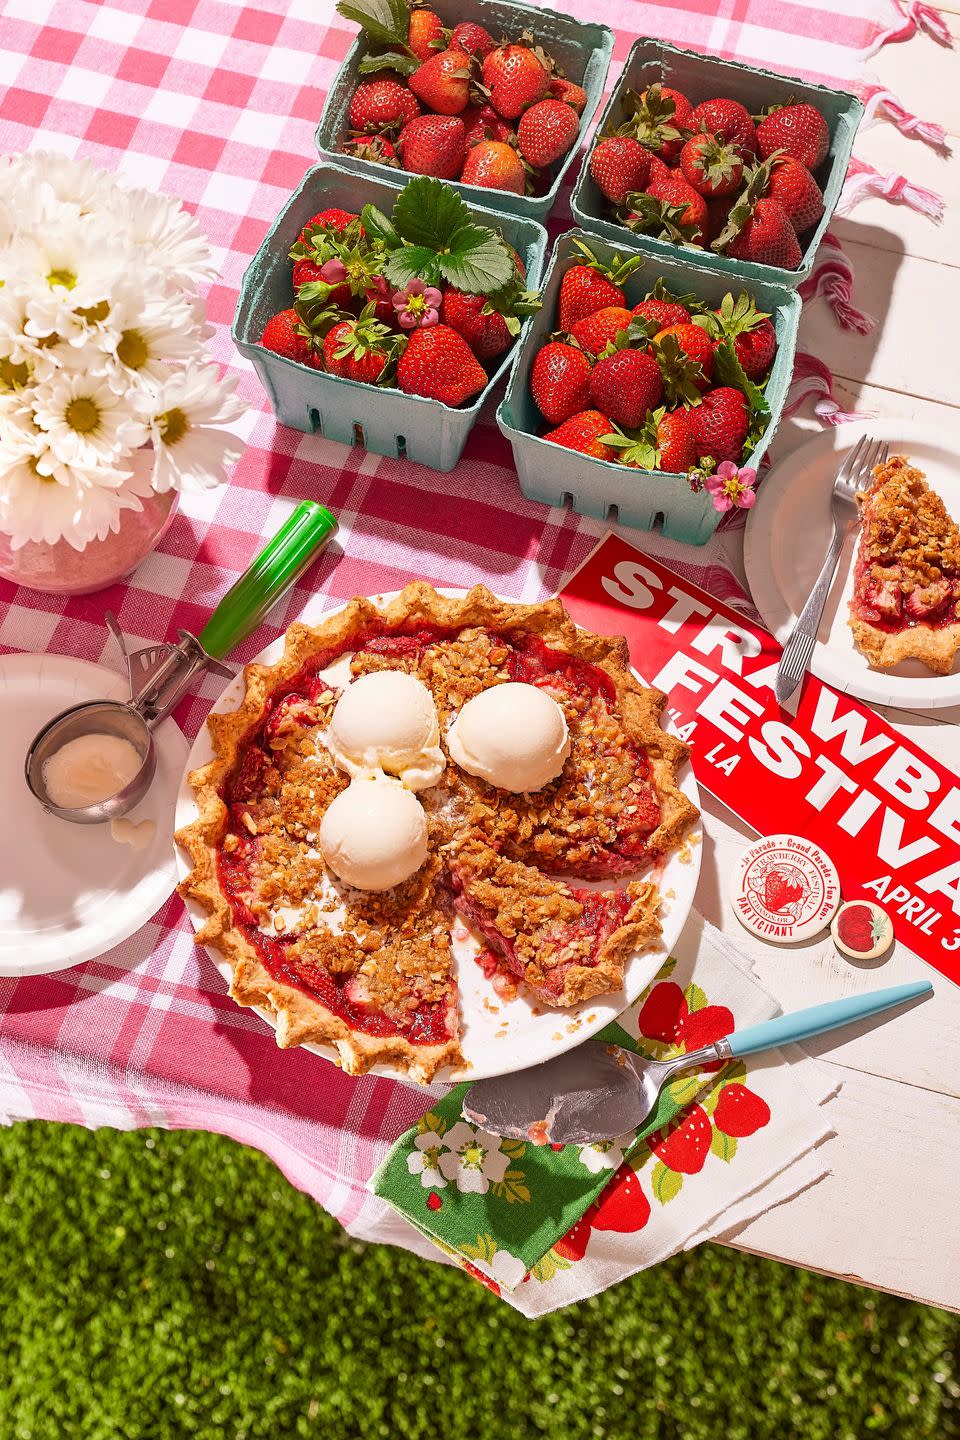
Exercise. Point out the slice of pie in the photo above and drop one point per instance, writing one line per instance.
(372, 972)
(906, 584)
(565, 944)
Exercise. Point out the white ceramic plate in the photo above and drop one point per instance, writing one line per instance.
(69, 892)
(498, 1037)
(788, 532)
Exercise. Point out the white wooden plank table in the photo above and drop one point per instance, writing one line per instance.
(887, 1214)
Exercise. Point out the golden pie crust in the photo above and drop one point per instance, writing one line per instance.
(908, 544)
(470, 621)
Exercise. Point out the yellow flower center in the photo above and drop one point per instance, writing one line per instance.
(93, 314)
(83, 415)
(733, 488)
(66, 279)
(173, 425)
(12, 377)
(417, 304)
(133, 351)
(472, 1155)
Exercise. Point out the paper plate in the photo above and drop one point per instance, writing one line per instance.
(69, 892)
(497, 1036)
(788, 532)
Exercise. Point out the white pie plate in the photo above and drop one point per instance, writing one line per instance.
(787, 535)
(69, 892)
(497, 1037)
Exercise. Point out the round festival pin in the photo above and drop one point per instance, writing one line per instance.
(787, 889)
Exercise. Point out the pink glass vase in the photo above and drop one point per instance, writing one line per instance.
(61, 569)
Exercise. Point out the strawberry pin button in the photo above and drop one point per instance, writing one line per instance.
(786, 889)
(862, 930)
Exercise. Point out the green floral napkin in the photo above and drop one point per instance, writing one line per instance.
(507, 1207)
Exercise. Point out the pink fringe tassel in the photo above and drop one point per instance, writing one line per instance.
(915, 15)
(862, 179)
(883, 102)
(811, 377)
(833, 279)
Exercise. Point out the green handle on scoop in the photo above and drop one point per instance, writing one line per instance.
(278, 566)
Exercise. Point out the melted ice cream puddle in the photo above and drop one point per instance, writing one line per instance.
(129, 832)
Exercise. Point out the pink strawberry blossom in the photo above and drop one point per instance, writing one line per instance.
(417, 306)
(732, 487)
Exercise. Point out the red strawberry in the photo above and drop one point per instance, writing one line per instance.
(658, 170)
(582, 433)
(382, 103)
(797, 193)
(663, 1013)
(728, 120)
(625, 385)
(442, 83)
(483, 123)
(546, 132)
(660, 120)
(560, 381)
(703, 1027)
(685, 1148)
(433, 145)
(472, 39)
(573, 1245)
(433, 1201)
(720, 423)
(594, 332)
(569, 93)
(675, 442)
(619, 165)
(662, 313)
(332, 219)
(621, 1205)
(590, 285)
(711, 167)
(486, 334)
(799, 131)
(718, 213)
(695, 343)
(674, 191)
(354, 350)
(739, 1112)
(371, 147)
(439, 364)
(767, 237)
(305, 272)
(515, 78)
(494, 166)
(778, 892)
(425, 26)
(755, 350)
(286, 335)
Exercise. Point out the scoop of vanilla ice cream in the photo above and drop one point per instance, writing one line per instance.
(513, 735)
(387, 721)
(374, 834)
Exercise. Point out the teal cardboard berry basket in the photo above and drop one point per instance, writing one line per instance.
(583, 50)
(600, 488)
(385, 421)
(703, 77)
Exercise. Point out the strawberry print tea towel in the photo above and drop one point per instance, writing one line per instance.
(546, 1225)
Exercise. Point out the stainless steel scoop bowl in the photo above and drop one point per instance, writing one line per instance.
(94, 717)
(159, 675)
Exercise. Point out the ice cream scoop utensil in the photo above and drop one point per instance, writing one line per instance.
(159, 674)
(598, 1091)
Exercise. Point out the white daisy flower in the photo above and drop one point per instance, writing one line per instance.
(471, 1158)
(423, 1160)
(43, 500)
(146, 339)
(189, 453)
(69, 181)
(70, 276)
(88, 425)
(168, 236)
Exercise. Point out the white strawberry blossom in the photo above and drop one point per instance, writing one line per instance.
(606, 1154)
(106, 391)
(472, 1158)
(423, 1160)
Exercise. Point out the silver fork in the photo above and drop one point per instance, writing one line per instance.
(852, 476)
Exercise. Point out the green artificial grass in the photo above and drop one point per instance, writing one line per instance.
(158, 1285)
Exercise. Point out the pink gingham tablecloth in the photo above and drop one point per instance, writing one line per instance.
(216, 103)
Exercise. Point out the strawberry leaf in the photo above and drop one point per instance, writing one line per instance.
(428, 212)
(727, 370)
(724, 1146)
(385, 21)
(666, 1183)
(411, 262)
(478, 261)
(388, 60)
(378, 227)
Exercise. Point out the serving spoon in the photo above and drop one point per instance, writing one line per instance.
(598, 1091)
